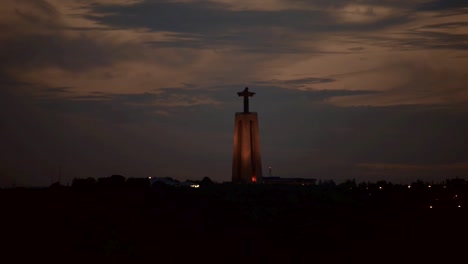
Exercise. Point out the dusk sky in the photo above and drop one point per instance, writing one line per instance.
(370, 90)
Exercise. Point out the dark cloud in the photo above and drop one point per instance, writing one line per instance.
(199, 17)
(356, 49)
(41, 41)
(439, 40)
(84, 53)
(440, 5)
(256, 40)
(300, 81)
(37, 12)
(445, 25)
(60, 90)
(209, 25)
(420, 38)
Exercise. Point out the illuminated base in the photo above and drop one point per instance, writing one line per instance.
(246, 161)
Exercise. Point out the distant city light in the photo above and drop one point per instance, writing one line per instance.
(149, 178)
(195, 186)
(445, 186)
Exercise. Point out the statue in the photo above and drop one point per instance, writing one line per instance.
(246, 94)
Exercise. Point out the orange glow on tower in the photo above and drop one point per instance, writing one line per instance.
(246, 161)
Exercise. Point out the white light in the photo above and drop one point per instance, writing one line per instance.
(149, 178)
(380, 188)
(455, 196)
(409, 186)
(429, 186)
(459, 206)
(195, 186)
(430, 206)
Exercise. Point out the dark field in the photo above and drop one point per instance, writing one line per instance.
(236, 224)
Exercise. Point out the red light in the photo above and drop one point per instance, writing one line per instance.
(254, 179)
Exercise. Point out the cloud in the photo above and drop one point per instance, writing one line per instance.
(439, 5)
(301, 81)
(200, 24)
(141, 45)
(358, 13)
(40, 45)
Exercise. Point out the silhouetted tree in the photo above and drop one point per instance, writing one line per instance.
(88, 183)
(363, 185)
(206, 181)
(117, 178)
(418, 184)
(138, 183)
(171, 179)
(56, 185)
(328, 184)
(383, 183)
(348, 184)
(114, 181)
(160, 187)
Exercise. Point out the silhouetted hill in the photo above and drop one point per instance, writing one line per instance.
(235, 223)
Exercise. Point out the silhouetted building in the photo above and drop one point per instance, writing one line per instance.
(246, 161)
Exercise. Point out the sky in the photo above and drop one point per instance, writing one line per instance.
(367, 90)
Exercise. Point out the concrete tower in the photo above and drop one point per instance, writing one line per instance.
(246, 161)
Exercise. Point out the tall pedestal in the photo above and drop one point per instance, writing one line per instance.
(246, 161)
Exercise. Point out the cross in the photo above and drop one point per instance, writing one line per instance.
(246, 94)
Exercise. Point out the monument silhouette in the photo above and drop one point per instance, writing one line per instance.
(246, 161)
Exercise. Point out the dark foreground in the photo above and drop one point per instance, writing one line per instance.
(234, 224)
